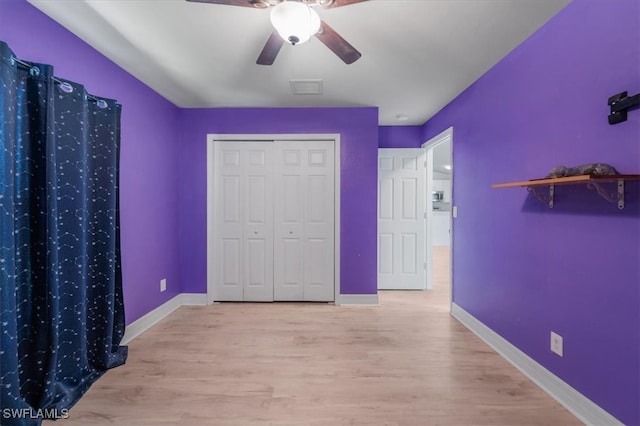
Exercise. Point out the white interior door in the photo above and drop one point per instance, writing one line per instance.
(304, 221)
(401, 219)
(244, 221)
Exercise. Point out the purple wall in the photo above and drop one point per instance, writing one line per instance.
(149, 178)
(400, 136)
(358, 128)
(521, 268)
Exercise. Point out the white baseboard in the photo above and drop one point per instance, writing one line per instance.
(358, 300)
(583, 408)
(147, 321)
(194, 299)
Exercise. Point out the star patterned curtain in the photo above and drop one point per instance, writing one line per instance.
(61, 305)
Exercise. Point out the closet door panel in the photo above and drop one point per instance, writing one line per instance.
(304, 224)
(319, 222)
(258, 222)
(229, 223)
(289, 222)
(244, 221)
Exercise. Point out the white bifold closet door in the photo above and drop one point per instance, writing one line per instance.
(274, 215)
(244, 216)
(304, 221)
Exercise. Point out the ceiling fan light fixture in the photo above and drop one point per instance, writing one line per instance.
(295, 21)
(260, 4)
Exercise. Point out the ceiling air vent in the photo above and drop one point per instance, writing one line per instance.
(306, 87)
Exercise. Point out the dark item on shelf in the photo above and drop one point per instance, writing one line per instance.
(592, 169)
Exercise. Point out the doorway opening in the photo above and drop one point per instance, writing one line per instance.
(440, 212)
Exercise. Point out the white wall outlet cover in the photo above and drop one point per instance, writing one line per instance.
(163, 284)
(557, 344)
(455, 211)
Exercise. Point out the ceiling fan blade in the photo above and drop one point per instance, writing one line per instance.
(339, 3)
(271, 49)
(244, 3)
(337, 44)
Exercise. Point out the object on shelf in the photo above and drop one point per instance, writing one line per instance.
(592, 169)
(592, 182)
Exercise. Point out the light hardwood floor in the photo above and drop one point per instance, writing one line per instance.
(406, 362)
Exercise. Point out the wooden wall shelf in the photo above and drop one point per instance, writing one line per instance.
(592, 182)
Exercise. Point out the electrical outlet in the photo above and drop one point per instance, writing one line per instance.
(556, 344)
(455, 211)
(163, 285)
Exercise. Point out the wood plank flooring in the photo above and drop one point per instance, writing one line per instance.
(406, 362)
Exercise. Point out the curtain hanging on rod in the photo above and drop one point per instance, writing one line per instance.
(61, 306)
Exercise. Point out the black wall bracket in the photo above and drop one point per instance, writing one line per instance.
(620, 104)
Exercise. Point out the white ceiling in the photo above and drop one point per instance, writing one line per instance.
(417, 55)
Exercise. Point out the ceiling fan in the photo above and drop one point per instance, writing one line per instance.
(295, 22)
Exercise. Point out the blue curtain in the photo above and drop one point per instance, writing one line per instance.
(61, 307)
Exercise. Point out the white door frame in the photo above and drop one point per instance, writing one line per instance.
(444, 137)
(211, 199)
